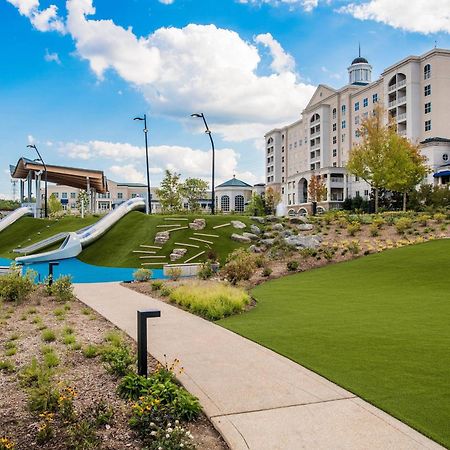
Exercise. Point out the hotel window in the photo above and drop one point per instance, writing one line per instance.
(64, 195)
(427, 108)
(357, 133)
(282, 149)
(356, 178)
(282, 190)
(375, 98)
(56, 194)
(334, 164)
(290, 146)
(120, 195)
(357, 120)
(282, 159)
(427, 72)
(282, 179)
(357, 193)
(365, 102)
(357, 106)
(366, 192)
(343, 109)
(225, 203)
(343, 138)
(334, 153)
(343, 124)
(334, 127)
(334, 139)
(427, 90)
(312, 166)
(73, 195)
(334, 113)
(239, 203)
(428, 125)
(295, 144)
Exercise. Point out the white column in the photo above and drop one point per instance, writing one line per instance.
(329, 187)
(37, 212)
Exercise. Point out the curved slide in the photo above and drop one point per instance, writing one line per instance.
(14, 216)
(75, 241)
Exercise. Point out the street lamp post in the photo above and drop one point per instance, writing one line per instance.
(45, 180)
(149, 195)
(208, 132)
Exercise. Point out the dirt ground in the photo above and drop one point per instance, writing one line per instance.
(87, 376)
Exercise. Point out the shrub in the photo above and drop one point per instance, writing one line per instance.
(157, 285)
(62, 288)
(118, 359)
(267, 272)
(102, 414)
(48, 335)
(403, 224)
(212, 300)
(170, 438)
(83, 435)
(6, 444)
(439, 217)
(260, 261)
(6, 366)
(91, 351)
(165, 290)
(292, 266)
(240, 265)
(423, 219)
(374, 230)
(65, 403)
(45, 428)
(353, 247)
(142, 275)
(174, 273)
(43, 396)
(378, 222)
(51, 359)
(16, 288)
(68, 339)
(205, 272)
(114, 338)
(353, 228)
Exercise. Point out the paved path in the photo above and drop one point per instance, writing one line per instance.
(256, 398)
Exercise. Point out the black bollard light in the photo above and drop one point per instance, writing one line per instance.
(50, 271)
(142, 316)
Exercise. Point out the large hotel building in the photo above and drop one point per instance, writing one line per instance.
(414, 91)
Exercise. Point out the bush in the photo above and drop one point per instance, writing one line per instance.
(423, 219)
(439, 217)
(205, 272)
(403, 224)
(170, 438)
(91, 351)
(174, 273)
(378, 222)
(83, 435)
(353, 247)
(48, 335)
(61, 288)
(118, 359)
(374, 230)
(292, 266)
(210, 300)
(157, 285)
(267, 272)
(353, 228)
(260, 261)
(240, 265)
(142, 274)
(16, 288)
(165, 290)
(6, 366)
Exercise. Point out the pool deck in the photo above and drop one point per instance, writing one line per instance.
(256, 399)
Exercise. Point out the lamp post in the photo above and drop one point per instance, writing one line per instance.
(45, 179)
(149, 195)
(208, 132)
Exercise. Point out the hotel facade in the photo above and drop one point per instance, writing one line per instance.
(415, 92)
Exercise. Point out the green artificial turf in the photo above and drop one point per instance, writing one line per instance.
(378, 326)
(116, 247)
(27, 231)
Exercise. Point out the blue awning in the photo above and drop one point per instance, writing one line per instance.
(444, 173)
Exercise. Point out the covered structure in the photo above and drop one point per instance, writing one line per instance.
(233, 195)
(28, 171)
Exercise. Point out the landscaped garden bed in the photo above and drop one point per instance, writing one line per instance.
(67, 381)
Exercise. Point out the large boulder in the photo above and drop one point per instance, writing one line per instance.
(254, 229)
(298, 219)
(305, 227)
(312, 241)
(238, 224)
(272, 219)
(251, 236)
(255, 249)
(240, 238)
(258, 219)
(197, 224)
(162, 237)
(278, 227)
(267, 242)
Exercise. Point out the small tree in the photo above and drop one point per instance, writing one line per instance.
(317, 191)
(83, 201)
(169, 193)
(272, 199)
(194, 189)
(54, 204)
(256, 205)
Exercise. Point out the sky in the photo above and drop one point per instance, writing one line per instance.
(74, 74)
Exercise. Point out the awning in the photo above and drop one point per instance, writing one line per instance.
(67, 176)
(444, 173)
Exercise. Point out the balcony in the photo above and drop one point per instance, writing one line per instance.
(337, 180)
(316, 134)
(401, 117)
(402, 132)
(315, 147)
(392, 104)
(401, 100)
(397, 86)
(316, 122)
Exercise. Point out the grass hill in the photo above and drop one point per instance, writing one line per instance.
(116, 247)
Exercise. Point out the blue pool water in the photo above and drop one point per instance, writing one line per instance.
(82, 272)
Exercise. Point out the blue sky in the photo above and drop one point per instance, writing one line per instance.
(73, 75)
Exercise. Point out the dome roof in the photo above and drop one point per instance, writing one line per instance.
(360, 60)
(234, 182)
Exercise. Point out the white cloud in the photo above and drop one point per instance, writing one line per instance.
(281, 61)
(52, 57)
(42, 19)
(31, 139)
(307, 5)
(185, 160)
(423, 16)
(166, 2)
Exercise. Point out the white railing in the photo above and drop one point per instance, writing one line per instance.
(401, 83)
(402, 132)
(313, 135)
(315, 147)
(401, 99)
(393, 103)
(401, 117)
(392, 88)
(315, 122)
(337, 180)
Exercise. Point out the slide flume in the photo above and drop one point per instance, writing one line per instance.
(14, 216)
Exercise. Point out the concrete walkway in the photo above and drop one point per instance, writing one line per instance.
(256, 398)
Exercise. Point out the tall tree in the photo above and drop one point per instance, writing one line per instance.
(169, 193)
(406, 166)
(368, 159)
(256, 205)
(317, 191)
(193, 190)
(272, 199)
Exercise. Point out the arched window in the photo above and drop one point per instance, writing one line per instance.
(269, 141)
(427, 72)
(315, 117)
(225, 203)
(302, 212)
(344, 108)
(239, 203)
(334, 113)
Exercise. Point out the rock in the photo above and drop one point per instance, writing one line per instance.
(179, 251)
(278, 227)
(299, 219)
(251, 236)
(267, 242)
(197, 224)
(305, 227)
(255, 249)
(254, 229)
(162, 237)
(258, 219)
(272, 219)
(312, 241)
(286, 233)
(238, 224)
(240, 238)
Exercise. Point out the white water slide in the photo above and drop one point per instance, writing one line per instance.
(14, 216)
(75, 241)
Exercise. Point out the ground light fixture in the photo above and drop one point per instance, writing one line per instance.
(208, 132)
(45, 179)
(149, 196)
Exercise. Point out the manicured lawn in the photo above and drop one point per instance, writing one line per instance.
(379, 326)
(36, 230)
(116, 247)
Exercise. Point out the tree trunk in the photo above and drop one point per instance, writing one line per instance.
(376, 200)
(404, 201)
(314, 208)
